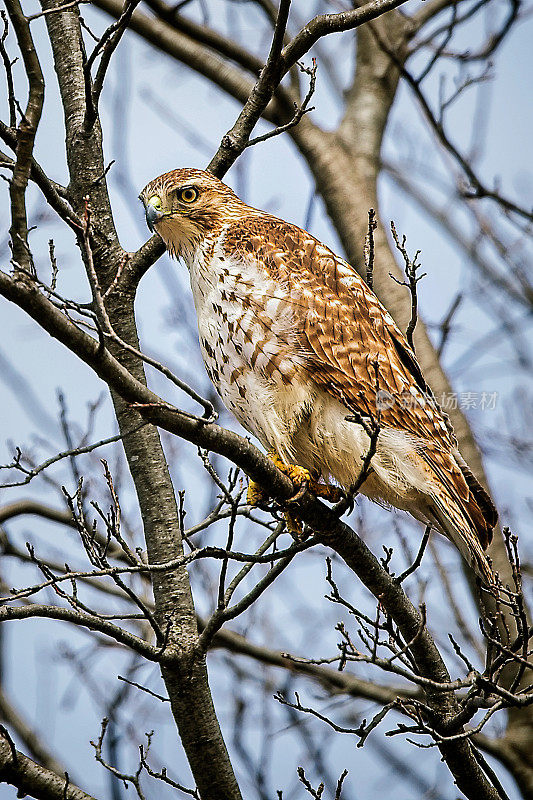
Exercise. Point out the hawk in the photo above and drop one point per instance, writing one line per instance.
(309, 362)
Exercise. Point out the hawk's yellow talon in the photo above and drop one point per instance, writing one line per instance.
(256, 495)
(300, 475)
(297, 474)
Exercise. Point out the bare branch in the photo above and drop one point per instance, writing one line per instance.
(229, 48)
(108, 331)
(54, 193)
(133, 778)
(29, 737)
(200, 58)
(32, 472)
(369, 247)
(235, 140)
(325, 24)
(418, 560)
(105, 48)
(144, 689)
(411, 269)
(90, 621)
(278, 64)
(299, 109)
(479, 190)
(162, 775)
(332, 680)
(32, 778)
(64, 7)
(8, 64)
(25, 136)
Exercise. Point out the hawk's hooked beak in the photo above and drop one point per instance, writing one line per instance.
(153, 215)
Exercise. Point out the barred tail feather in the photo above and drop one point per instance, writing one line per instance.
(462, 509)
(452, 522)
(481, 497)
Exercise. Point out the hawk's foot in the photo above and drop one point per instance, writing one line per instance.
(300, 476)
(303, 479)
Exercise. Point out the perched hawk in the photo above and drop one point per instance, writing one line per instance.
(308, 360)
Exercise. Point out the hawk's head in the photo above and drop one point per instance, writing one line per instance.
(184, 205)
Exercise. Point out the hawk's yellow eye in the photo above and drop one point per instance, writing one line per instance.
(155, 201)
(188, 195)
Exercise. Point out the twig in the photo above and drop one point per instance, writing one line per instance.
(234, 142)
(442, 46)
(53, 263)
(181, 561)
(368, 249)
(372, 428)
(479, 190)
(67, 784)
(8, 64)
(222, 615)
(364, 730)
(239, 577)
(338, 790)
(53, 192)
(64, 7)
(5, 733)
(91, 621)
(446, 324)
(106, 46)
(144, 689)
(162, 775)
(26, 133)
(107, 330)
(469, 81)
(418, 560)
(315, 793)
(204, 35)
(411, 269)
(133, 778)
(75, 451)
(299, 109)
(307, 710)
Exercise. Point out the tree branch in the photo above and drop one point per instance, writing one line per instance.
(32, 741)
(324, 24)
(25, 135)
(228, 48)
(195, 55)
(90, 621)
(33, 779)
(479, 189)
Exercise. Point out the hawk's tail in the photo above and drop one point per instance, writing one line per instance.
(463, 510)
